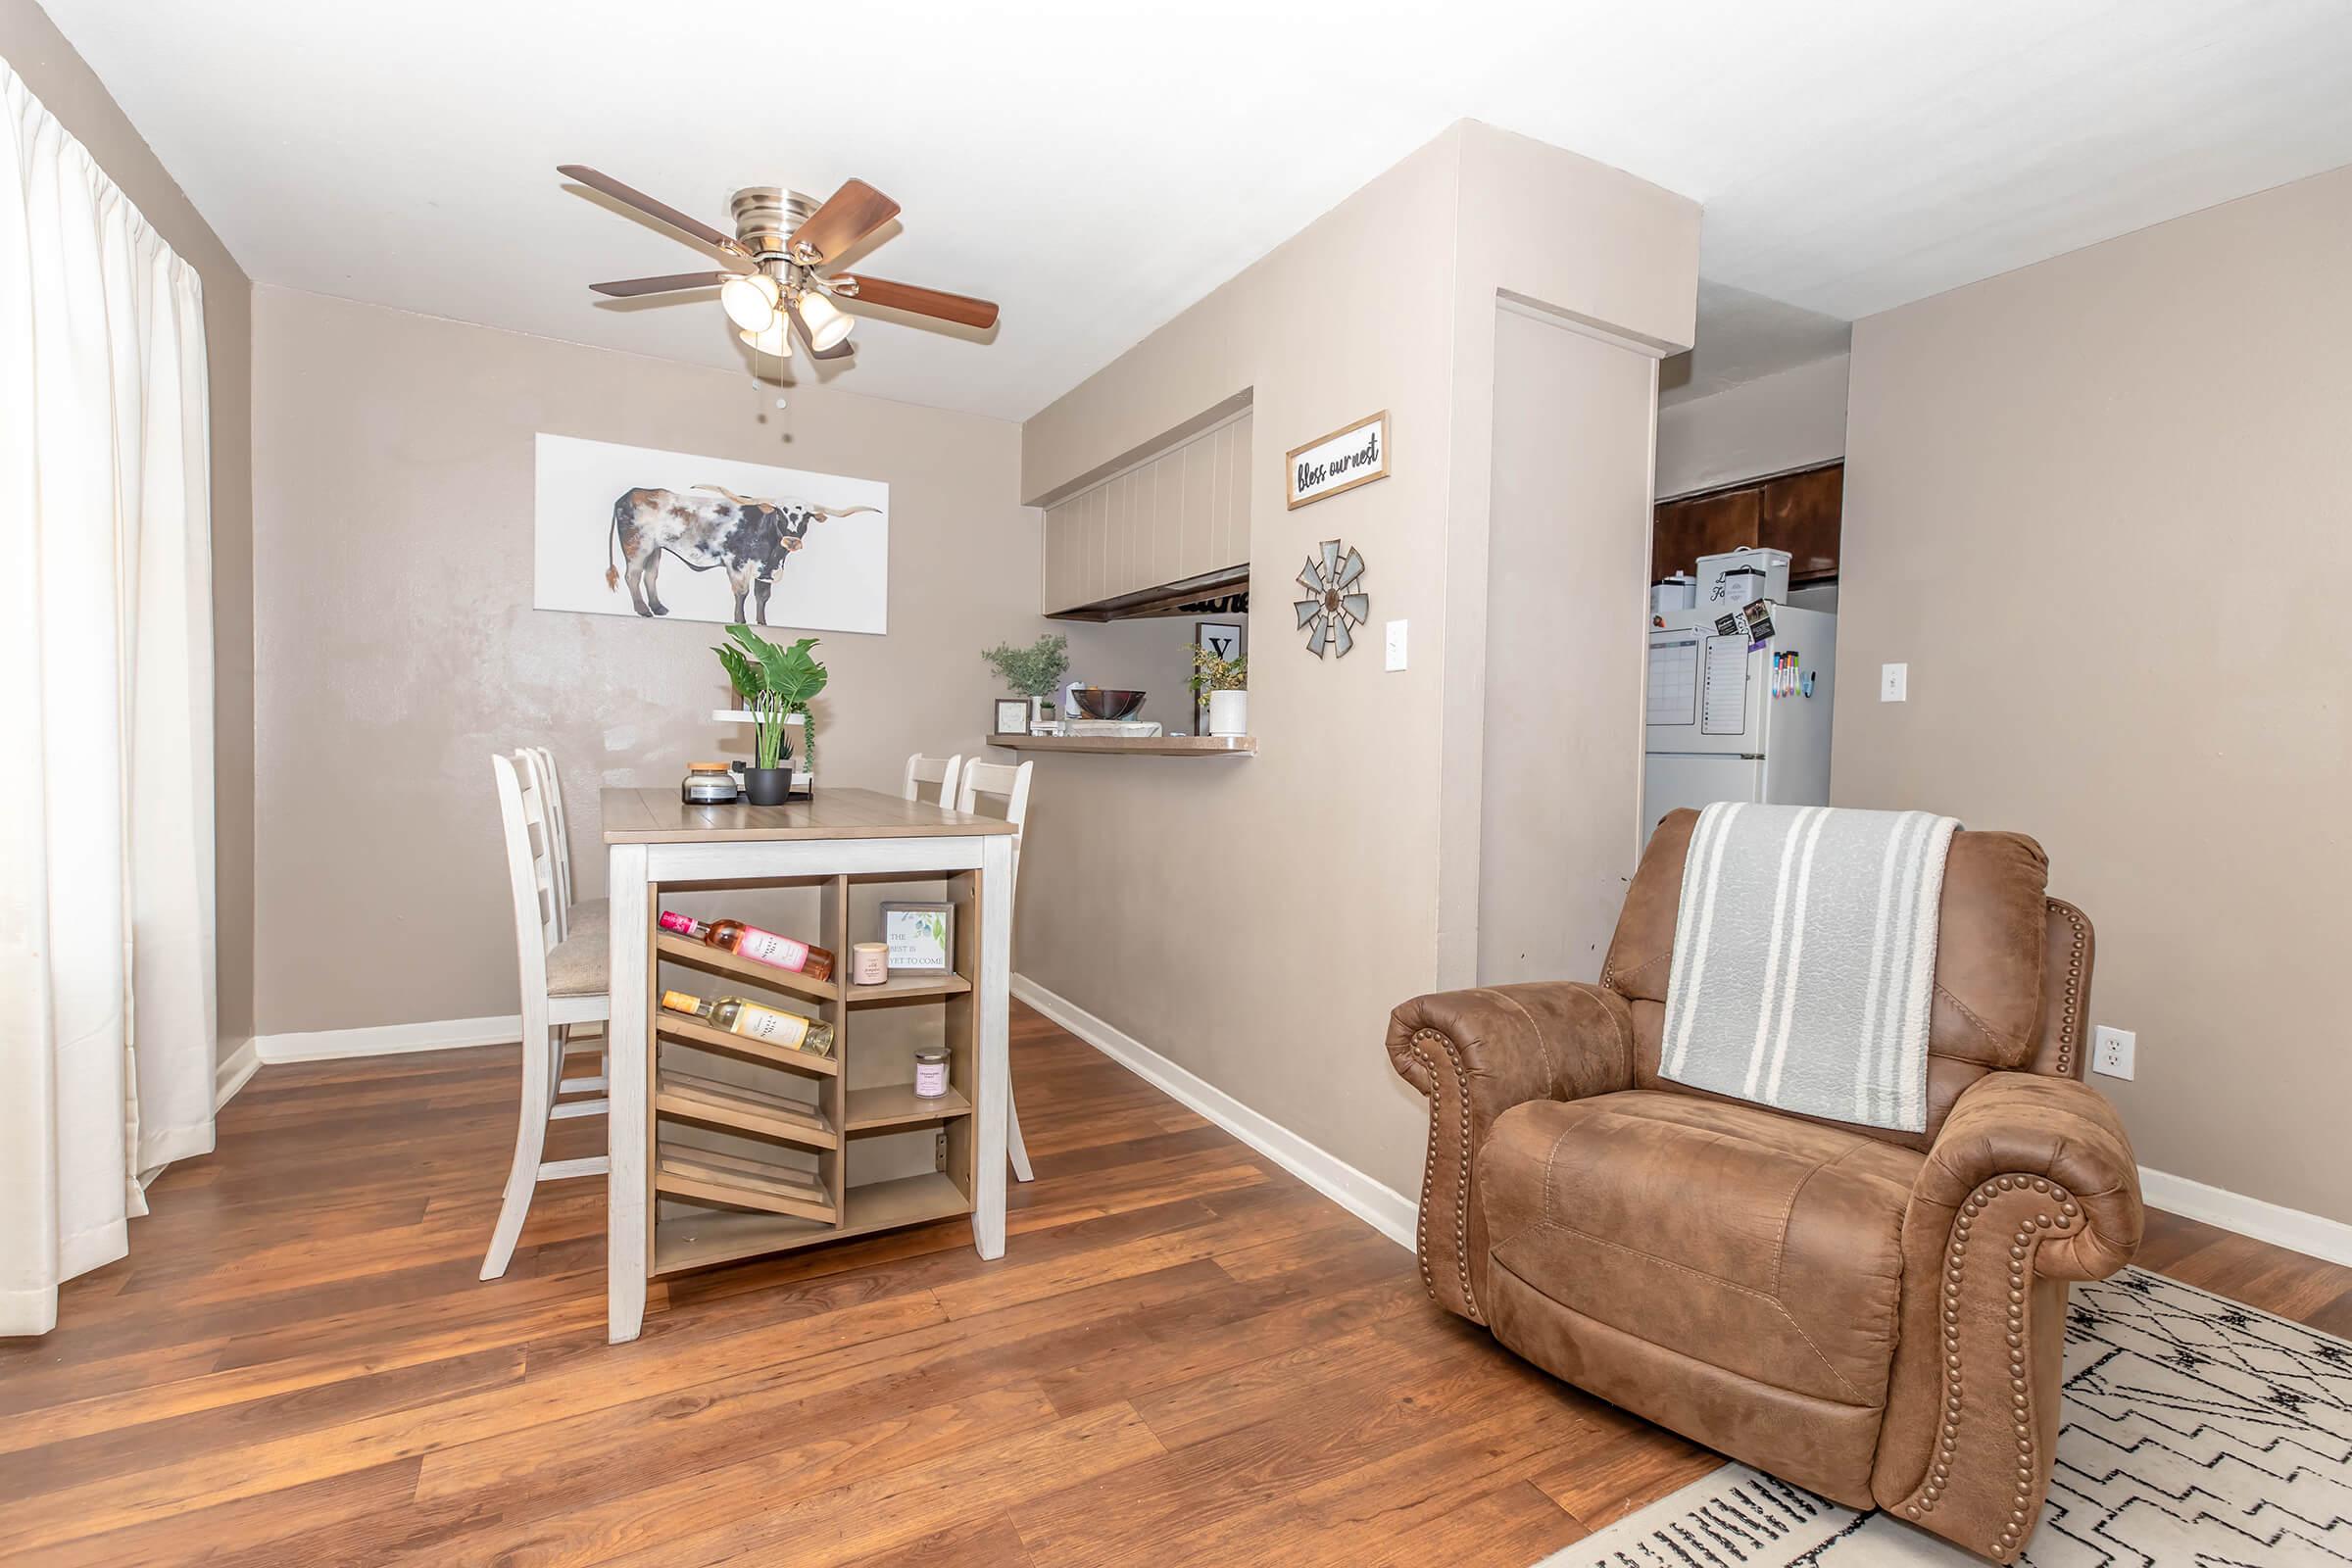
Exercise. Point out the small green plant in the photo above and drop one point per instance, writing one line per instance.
(775, 683)
(1033, 670)
(1211, 673)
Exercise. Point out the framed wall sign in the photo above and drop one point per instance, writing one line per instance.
(1226, 640)
(1357, 454)
(921, 936)
(1011, 716)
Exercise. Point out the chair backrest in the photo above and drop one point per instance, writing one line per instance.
(2012, 981)
(551, 798)
(530, 875)
(943, 771)
(1002, 779)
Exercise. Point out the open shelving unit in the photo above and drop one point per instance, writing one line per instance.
(715, 1206)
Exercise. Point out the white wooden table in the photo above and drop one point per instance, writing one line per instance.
(653, 838)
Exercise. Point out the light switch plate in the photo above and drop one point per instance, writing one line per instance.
(1894, 683)
(2112, 1050)
(1396, 647)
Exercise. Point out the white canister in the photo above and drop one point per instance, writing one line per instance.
(1676, 591)
(1764, 573)
(1229, 714)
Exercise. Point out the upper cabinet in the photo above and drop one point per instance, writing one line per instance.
(1182, 515)
(1798, 513)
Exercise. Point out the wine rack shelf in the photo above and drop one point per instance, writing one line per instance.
(721, 1236)
(709, 1177)
(747, 1111)
(779, 1174)
(678, 1026)
(718, 960)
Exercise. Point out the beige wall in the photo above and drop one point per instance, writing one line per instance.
(1794, 420)
(1563, 722)
(1254, 920)
(2102, 506)
(399, 646)
(38, 53)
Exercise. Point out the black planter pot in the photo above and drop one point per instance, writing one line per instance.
(767, 786)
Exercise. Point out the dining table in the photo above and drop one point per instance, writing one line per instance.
(836, 839)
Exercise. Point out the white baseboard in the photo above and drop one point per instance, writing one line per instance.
(387, 1039)
(2276, 1223)
(232, 1072)
(1382, 1208)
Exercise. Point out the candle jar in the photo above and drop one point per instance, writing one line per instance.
(870, 962)
(930, 1074)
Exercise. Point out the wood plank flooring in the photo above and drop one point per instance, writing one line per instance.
(1186, 1355)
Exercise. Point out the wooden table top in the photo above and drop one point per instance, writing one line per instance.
(658, 816)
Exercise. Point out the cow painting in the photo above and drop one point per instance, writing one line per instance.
(749, 537)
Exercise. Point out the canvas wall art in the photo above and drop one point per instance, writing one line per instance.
(638, 531)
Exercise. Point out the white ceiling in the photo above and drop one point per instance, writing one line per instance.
(1097, 164)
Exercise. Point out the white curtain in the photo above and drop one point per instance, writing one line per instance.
(106, 756)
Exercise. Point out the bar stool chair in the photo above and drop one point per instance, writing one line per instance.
(939, 770)
(562, 983)
(587, 915)
(1011, 783)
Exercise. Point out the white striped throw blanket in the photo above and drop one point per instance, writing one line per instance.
(1804, 959)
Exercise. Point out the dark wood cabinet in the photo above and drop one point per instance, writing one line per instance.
(1798, 513)
(1705, 525)
(1802, 513)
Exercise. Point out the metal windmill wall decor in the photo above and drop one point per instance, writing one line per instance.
(1336, 602)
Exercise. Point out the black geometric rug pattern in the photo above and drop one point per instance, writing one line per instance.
(2195, 1432)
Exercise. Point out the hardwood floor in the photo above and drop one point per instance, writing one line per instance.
(1185, 1356)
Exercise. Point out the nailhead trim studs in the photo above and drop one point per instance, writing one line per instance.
(1429, 1170)
(2055, 1213)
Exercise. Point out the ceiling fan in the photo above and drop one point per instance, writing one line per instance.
(774, 287)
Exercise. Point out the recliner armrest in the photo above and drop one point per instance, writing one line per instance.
(1477, 1053)
(2037, 1127)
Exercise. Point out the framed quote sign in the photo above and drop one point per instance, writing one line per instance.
(1357, 454)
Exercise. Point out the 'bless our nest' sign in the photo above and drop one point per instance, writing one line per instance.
(1340, 461)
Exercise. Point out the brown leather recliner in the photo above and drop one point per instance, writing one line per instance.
(1878, 1316)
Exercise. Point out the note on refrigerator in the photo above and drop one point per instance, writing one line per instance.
(1724, 705)
(1674, 681)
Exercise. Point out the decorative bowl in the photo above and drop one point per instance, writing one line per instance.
(1097, 702)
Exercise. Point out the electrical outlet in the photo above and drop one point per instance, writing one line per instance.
(1894, 683)
(1395, 648)
(2112, 1050)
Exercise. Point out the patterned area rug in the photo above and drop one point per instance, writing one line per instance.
(2196, 1432)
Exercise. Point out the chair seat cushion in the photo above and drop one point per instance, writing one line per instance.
(589, 916)
(1753, 1242)
(576, 965)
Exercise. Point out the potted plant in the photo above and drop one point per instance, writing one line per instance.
(776, 684)
(1226, 681)
(1033, 670)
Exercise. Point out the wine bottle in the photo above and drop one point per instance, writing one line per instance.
(755, 1022)
(750, 942)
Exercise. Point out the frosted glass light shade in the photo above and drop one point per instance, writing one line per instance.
(773, 340)
(750, 301)
(826, 325)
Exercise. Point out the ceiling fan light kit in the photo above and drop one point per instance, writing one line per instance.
(775, 288)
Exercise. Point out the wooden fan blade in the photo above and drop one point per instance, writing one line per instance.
(961, 309)
(630, 287)
(849, 214)
(800, 329)
(694, 227)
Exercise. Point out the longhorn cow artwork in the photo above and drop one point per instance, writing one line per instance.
(760, 543)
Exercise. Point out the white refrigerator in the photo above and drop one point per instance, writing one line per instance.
(1717, 731)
